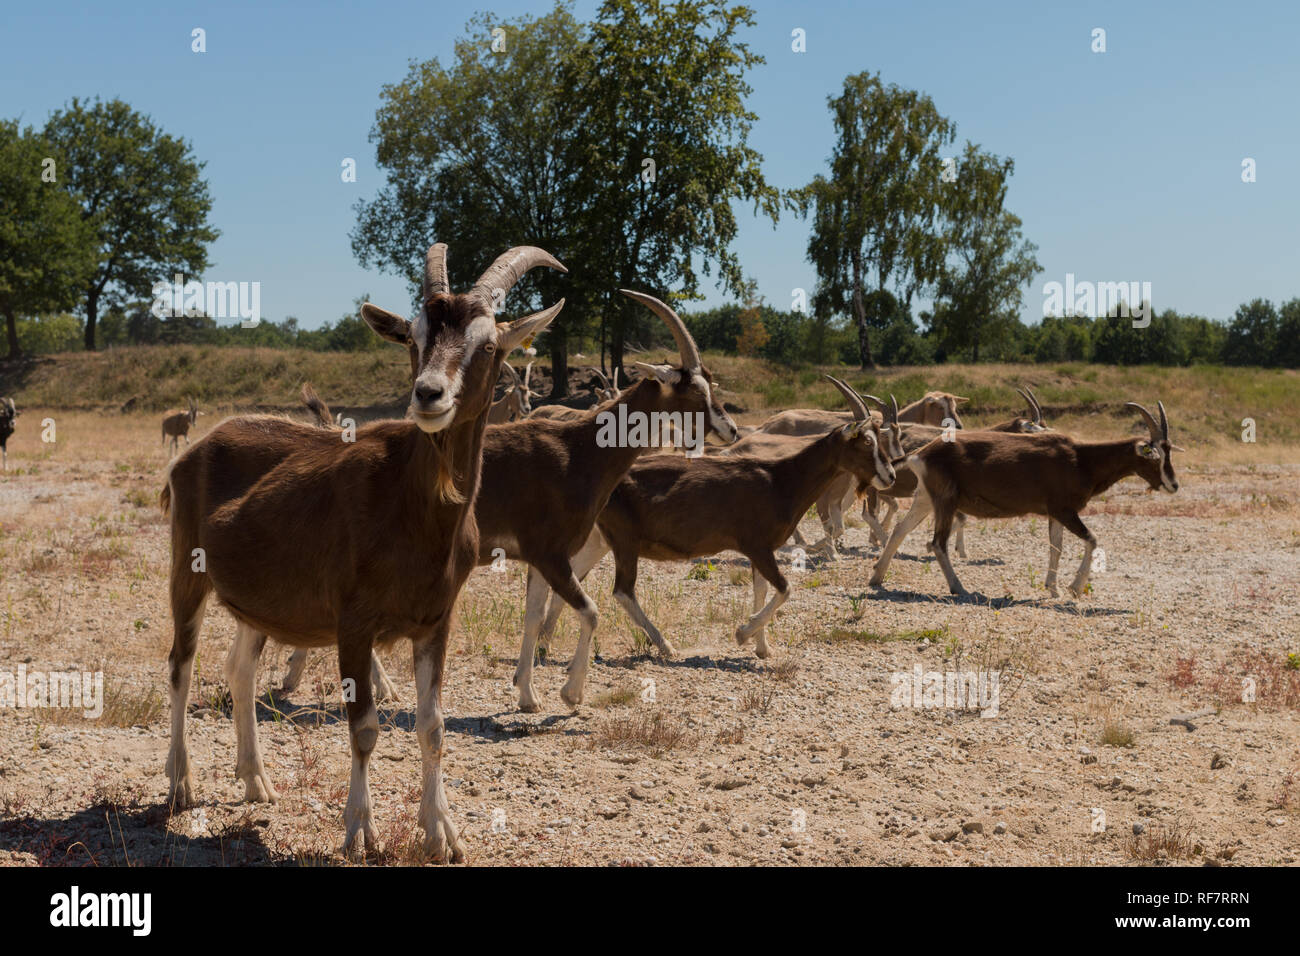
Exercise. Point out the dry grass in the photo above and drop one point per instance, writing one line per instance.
(1163, 842)
(657, 732)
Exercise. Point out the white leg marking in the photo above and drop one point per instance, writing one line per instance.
(534, 607)
(915, 515)
(441, 837)
(1054, 535)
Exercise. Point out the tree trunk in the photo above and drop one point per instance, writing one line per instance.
(617, 339)
(92, 312)
(11, 321)
(860, 316)
(559, 341)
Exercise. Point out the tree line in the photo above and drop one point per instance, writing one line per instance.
(621, 145)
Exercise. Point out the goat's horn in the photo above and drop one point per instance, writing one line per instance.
(435, 271)
(528, 374)
(855, 401)
(1038, 409)
(1151, 424)
(893, 418)
(690, 352)
(1029, 402)
(510, 370)
(1164, 420)
(604, 382)
(502, 276)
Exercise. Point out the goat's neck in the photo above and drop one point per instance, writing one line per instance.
(804, 475)
(1106, 462)
(645, 397)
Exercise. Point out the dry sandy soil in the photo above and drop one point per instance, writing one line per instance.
(794, 760)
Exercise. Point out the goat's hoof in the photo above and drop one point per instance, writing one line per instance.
(742, 635)
(667, 651)
(258, 789)
(571, 696)
(287, 686)
(180, 795)
(386, 694)
(528, 703)
(762, 652)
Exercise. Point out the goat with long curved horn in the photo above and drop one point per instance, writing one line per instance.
(686, 346)
(511, 266)
(851, 396)
(435, 271)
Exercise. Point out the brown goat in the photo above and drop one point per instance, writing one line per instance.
(546, 480)
(1000, 475)
(314, 541)
(176, 425)
(8, 414)
(671, 508)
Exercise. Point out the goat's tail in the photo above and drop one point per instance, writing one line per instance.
(165, 499)
(318, 408)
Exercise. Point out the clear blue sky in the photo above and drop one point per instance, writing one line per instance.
(1128, 163)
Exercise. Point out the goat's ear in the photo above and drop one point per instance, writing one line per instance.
(960, 399)
(665, 373)
(511, 336)
(387, 324)
(1147, 450)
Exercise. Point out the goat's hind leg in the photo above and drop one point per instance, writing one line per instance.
(363, 731)
(765, 569)
(1054, 542)
(943, 520)
(241, 675)
(189, 595)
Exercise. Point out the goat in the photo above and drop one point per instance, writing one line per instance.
(545, 481)
(934, 408)
(914, 438)
(516, 403)
(176, 425)
(603, 392)
(8, 413)
(315, 541)
(670, 508)
(1000, 475)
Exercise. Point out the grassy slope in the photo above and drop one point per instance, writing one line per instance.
(1206, 404)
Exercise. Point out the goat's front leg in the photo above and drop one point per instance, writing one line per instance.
(915, 515)
(441, 838)
(764, 569)
(294, 671)
(960, 540)
(241, 675)
(363, 730)
(1054, 529)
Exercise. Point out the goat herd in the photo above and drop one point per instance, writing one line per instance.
(315, 536)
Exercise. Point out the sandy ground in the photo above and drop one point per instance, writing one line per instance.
(715, 758)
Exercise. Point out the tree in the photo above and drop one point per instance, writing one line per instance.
(481, 153)
(660, 92)
(876, 210)
(982, 281)
(46, 251)
(1252, 335)
(142, 193)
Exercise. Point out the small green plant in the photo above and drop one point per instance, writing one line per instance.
(700, 571)
(857, 605)
(1293, 662)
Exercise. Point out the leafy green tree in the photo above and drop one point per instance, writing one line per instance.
(481, 153)
(1252, 335)
(1287, 352)
(981, 284)
(660, 94)
(46, 250)
(142, 193)
(873, 217)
